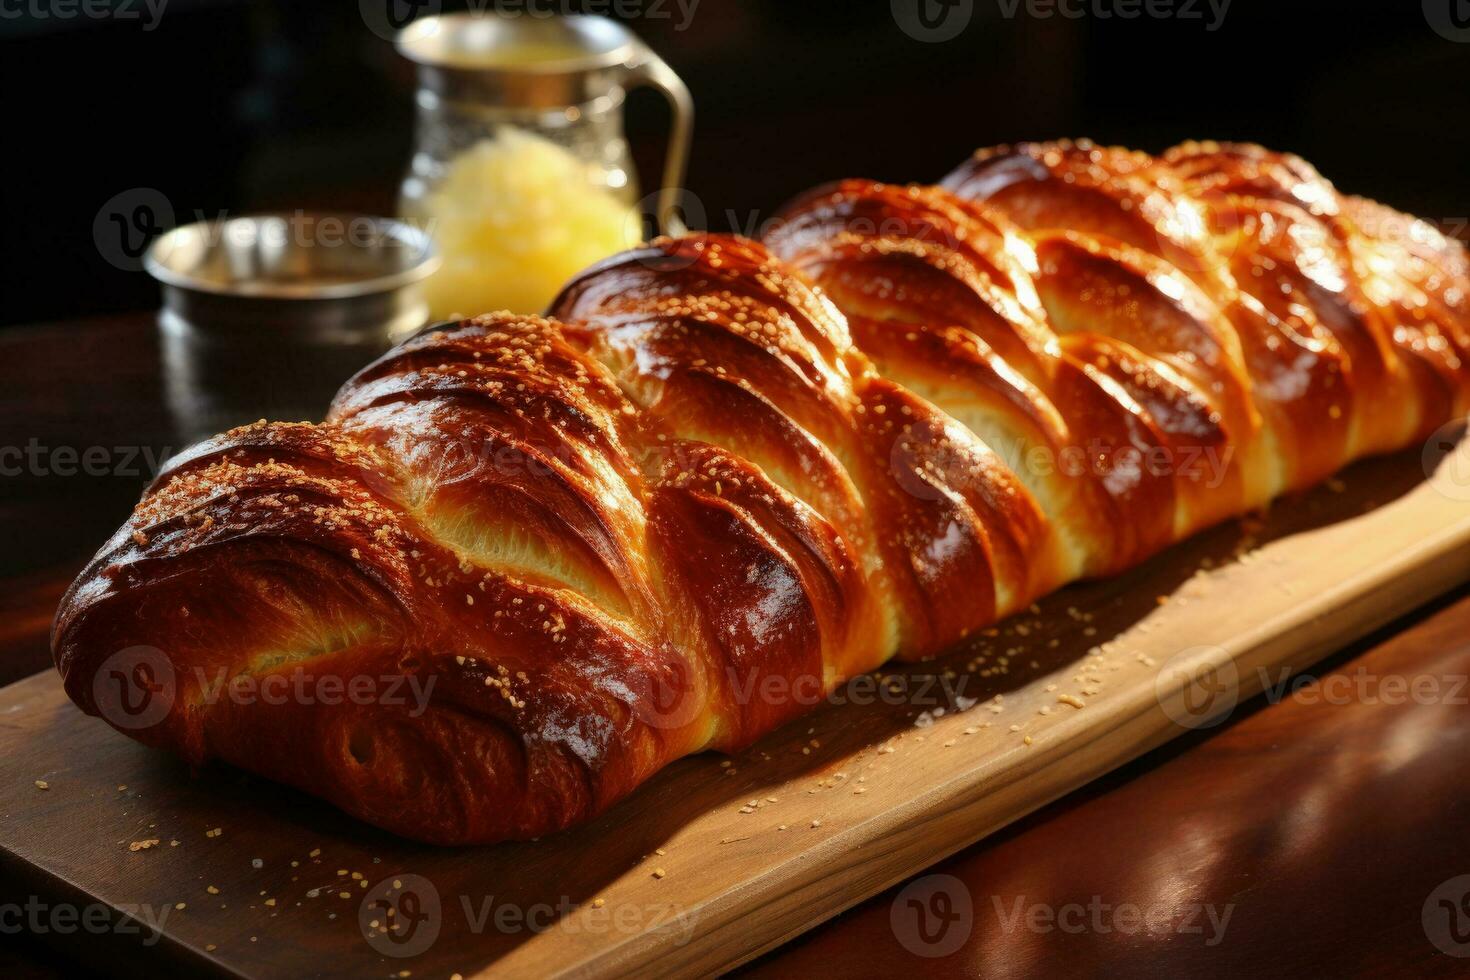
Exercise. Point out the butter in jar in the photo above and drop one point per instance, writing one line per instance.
(513, 218)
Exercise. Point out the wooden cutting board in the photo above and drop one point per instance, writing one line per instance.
(717, 860)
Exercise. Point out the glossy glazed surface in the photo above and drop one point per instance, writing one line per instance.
(908, 414)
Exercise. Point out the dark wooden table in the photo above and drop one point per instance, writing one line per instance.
(1323, 832)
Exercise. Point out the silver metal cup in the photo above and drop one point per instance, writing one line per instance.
(264, 316)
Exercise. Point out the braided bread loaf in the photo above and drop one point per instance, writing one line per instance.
(591, 540)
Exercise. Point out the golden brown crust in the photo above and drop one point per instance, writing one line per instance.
(557, 554)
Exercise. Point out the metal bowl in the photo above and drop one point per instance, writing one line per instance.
(298, 255)
(265, 315)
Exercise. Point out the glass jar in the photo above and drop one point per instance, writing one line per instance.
(521, 170)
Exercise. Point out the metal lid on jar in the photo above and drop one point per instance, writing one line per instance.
(521, 59)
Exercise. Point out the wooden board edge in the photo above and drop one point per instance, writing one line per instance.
(958, 814)
(100, 951)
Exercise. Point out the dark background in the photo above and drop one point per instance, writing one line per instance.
(248, 104)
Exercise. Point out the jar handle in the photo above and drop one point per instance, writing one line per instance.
(647, 68)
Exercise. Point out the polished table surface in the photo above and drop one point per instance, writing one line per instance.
(1326, 830)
